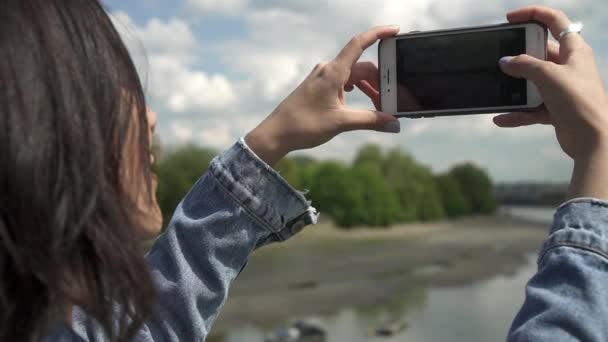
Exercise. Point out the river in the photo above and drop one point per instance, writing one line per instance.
(480, 311)
(543, 215)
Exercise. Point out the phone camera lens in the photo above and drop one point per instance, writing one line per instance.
(389, 90)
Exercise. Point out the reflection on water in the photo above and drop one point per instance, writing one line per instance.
(482, 311)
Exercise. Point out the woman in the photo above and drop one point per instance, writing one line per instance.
(77, 191)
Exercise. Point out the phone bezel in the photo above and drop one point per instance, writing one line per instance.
(536, 45)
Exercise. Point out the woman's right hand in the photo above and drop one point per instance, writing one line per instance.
(576, 103)
(316, 111)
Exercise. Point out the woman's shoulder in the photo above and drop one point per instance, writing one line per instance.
(62, 332)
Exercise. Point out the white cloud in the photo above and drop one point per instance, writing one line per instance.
(418, 128)
(276, 43)
(168, 66)
(218, 136)
(315, 30)
(173, 37)
(187, 90)
(602, 64)
(182, 132)
(274, 73)
(209, 131)
(226, 7)
(553, 152)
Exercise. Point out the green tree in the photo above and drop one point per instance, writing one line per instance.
(354, 196)
(430, 206)
(288, 168)
(476, 186)
(454, 202)
(303, 161)
(306, 168)
(380, 205)
(177, 172)
(370, 155)
(415, 187)
(335, 191)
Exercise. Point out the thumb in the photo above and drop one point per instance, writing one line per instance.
(370, 120)
(528, 67)
(511, 120)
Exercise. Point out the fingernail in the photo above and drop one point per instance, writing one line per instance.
(395, 27)
(392, 127)
(504, 61)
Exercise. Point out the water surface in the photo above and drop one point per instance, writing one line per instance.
(482, 311)
(542, 215)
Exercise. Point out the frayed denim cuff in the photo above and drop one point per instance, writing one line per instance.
(261, 191)
(580, 223)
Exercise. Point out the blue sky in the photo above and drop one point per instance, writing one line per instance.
(213, 69)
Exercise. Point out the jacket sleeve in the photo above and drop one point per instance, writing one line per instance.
(567, 299)
(238, 206)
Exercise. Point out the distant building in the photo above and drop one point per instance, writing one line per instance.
(530, 193)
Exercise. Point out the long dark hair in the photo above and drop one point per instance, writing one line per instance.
(70, 101)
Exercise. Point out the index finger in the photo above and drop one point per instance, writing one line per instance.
(351, 53)
(556, 21)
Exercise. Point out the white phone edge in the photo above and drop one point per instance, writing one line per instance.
(536, 45)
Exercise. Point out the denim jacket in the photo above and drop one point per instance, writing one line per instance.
(567, 298)
(241, 204)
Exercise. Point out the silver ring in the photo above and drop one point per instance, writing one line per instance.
(572, 28)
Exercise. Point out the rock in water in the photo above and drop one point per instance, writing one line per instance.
(299, 331)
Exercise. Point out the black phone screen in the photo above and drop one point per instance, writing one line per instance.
(459, 71)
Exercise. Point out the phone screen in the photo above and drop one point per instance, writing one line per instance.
(459, 71)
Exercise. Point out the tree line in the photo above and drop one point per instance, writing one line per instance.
(378, 188)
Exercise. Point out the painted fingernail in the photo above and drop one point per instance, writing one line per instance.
(392, 127)
(504, 61)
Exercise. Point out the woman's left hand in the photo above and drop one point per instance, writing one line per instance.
(316, 111)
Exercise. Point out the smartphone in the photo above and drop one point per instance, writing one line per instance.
(456, 72)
